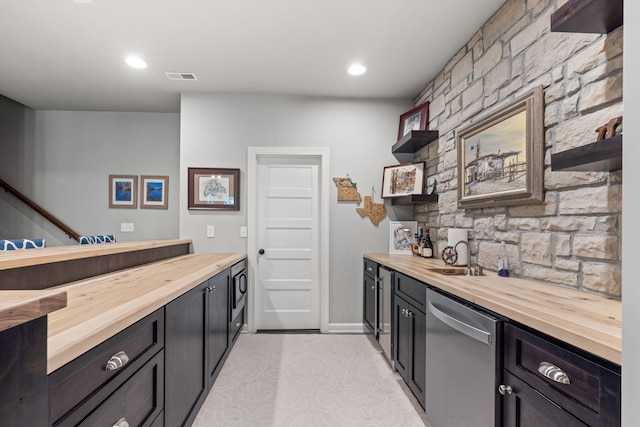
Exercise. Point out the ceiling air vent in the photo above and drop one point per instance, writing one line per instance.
(181, 76)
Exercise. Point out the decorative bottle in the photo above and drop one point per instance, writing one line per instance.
(428, 246)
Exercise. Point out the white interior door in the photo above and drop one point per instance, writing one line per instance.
(287, 286)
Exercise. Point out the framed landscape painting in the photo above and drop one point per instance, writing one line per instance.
(501, 156)
(154, 192)
(122, 191)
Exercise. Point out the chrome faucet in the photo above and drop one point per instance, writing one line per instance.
(455, 248)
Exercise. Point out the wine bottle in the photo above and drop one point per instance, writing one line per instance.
(428, 246)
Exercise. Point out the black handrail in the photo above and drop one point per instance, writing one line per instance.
(46, 215)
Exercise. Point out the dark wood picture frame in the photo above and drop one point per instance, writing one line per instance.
(501, 156)
(213, 188)
(415, 119)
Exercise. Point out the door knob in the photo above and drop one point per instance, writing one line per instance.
(261, 251)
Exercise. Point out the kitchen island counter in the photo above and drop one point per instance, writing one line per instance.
(18, 307)
(590, 322)
(101, 306)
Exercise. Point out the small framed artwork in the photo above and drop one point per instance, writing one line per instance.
(402, 236)
(403, 180)
(122, 191)
(214, 188)
(501, 156)
(414, 119)
(154, 192)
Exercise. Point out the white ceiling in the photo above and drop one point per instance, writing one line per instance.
(62, 55)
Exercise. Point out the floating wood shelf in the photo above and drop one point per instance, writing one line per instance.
(588, 16)
(414, 199)
(601, 156)
(414, 141)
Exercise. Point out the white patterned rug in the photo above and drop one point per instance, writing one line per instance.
(306, 380)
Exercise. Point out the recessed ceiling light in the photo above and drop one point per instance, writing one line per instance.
(357, 70)
(135, 62)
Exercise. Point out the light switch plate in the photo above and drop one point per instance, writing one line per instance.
(211, 231)
(243, 231)
(126, 227)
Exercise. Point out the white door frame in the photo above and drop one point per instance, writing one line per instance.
(254, 153)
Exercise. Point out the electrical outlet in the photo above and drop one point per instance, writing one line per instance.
(210, 231)
(126, 227)
(243, 231)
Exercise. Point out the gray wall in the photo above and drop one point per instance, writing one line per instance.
(63, 164)
(631, 226)
(216, 131)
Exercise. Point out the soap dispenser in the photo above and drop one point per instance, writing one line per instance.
(503, 262)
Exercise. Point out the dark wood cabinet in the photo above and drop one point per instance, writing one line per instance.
(410, 345)
(23, 374)
(567, 386)
(185, 351)
(217, 324)
(94, 380)
(370, 296)
(196, 345)
(138, 401)
(526, 407)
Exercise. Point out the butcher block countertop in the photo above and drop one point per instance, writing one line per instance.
(26, 258)
(590, 322)
(100, 307)
(17, 307)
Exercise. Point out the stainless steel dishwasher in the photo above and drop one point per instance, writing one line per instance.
(461, 364)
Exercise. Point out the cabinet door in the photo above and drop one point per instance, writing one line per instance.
(525, 407)
(185, 347)
(402, 338)
(410, 336)
(418, 337)
(23, 374)
(370, 301)
(217, 324)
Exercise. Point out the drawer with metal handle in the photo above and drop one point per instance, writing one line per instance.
(109, 363)
(137, 402)
(370, 267)
(580, 383)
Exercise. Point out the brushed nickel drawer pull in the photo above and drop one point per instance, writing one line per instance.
(121, 423)
(554, 373)
(117, 361)
(505, 389)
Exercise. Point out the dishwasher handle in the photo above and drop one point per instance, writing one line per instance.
(460, 326)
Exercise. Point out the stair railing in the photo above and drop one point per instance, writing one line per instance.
(46, 215)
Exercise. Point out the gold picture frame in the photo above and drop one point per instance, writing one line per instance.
(501, 156)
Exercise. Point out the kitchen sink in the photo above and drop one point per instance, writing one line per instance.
(451, 271)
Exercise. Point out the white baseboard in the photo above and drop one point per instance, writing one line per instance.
(346, 328)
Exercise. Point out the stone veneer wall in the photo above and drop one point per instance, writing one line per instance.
(573, 239)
